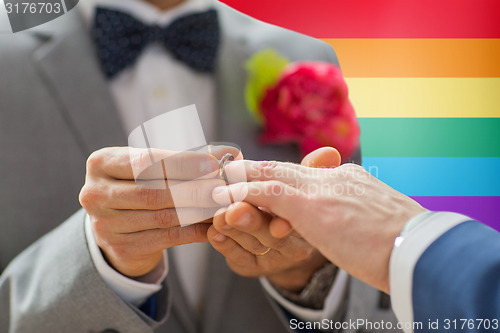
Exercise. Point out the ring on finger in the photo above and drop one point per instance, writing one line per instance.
(263, 253)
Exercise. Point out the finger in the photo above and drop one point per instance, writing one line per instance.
(130, 221)
(326, 157)
(279, 228)
(127, 195)
(146, 164)
(287, 173)
(281, 199)
(246, 240)
(186, 165)
(138, 244)
(231, 250)
(244, 220)
(167, 238)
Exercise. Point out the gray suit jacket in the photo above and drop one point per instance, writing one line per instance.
(55, 109)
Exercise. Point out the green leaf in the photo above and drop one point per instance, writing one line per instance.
(264, 69)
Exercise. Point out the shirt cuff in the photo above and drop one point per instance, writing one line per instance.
(131, 291)
(417, 235)
(332, 302)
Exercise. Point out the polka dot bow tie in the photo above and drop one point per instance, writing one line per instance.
(120, 39)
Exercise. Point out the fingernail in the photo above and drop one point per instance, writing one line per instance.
(244, 221)
(219, 238)
(227, 227)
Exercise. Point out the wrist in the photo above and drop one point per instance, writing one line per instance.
(313, 296)
(134, 269)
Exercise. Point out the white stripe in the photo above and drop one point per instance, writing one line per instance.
(407, 251)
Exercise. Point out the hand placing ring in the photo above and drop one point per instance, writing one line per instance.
(263, 253)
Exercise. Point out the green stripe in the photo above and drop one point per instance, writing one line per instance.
(430, 137)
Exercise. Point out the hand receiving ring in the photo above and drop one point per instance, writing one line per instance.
(263, 253)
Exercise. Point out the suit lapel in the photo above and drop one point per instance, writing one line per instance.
(67, 63)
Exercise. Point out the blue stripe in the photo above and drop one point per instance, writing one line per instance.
(438, 176)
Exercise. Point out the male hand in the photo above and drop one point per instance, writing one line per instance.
(347, 214)
(134, 221)
(243, 235)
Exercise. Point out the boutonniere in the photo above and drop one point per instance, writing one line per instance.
(301, 102)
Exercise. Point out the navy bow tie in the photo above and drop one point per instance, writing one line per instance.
(120, 39)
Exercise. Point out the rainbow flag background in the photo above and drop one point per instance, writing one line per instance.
(424, 78)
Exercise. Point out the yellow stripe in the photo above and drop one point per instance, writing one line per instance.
(418, 57)
(425, 97)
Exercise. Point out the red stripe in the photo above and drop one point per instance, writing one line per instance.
(379, 18)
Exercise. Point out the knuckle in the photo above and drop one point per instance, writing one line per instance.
(139, 160)
(351, 167)
(200, 232)
(150, 197)
(172, 234)
(257, 247)
(265, 169)
(89, 196)
(96, 159)
(100, 226)
(165, 218)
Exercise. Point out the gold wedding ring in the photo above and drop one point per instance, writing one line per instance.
(263, 253)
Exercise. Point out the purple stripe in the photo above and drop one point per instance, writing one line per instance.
(483, 209)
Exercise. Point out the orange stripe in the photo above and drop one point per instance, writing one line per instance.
(418, 57)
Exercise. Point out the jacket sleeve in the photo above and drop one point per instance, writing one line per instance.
(445, 271)
(53, 286)
(458, 277)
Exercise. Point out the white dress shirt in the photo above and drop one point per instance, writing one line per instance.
(155, 84)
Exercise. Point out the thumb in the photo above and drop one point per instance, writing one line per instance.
(326, 157)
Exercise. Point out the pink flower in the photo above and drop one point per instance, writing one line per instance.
(309, 105)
